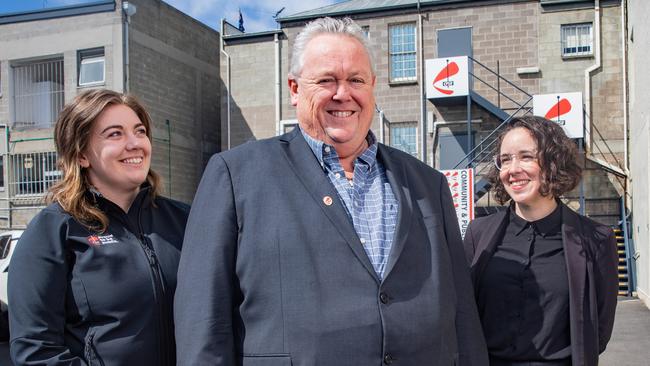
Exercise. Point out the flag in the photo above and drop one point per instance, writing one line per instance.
(241, 21)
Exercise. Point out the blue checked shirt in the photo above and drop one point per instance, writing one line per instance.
(368, 198)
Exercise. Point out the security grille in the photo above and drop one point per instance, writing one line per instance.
(38, 93)
(32, 173)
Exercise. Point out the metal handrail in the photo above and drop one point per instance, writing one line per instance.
(489, 140)
(629, 247)
(500, 77)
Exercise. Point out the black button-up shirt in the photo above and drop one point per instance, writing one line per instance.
(523, 295)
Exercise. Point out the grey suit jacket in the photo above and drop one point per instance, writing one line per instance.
(591, 261)
(271, 275)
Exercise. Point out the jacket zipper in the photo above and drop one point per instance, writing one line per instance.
(159, 296)
(90, 352)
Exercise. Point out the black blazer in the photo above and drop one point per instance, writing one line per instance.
(591, 261)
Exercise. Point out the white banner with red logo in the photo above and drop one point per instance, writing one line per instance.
(564, 109)
(461, 184)
(447, 77)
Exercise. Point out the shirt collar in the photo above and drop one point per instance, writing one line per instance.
(322, 150)
(548, 225)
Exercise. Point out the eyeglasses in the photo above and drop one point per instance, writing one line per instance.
(506, 161)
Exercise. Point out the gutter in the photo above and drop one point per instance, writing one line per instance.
(221, 48)
(278, 90)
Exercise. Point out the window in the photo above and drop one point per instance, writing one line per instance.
(577, 40)
(366, 31)
(33, 173)
(288, 125)
(91, 67)
(38, 93)
(402, 52)
(403, 136)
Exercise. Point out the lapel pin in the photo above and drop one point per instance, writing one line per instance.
(327, 200)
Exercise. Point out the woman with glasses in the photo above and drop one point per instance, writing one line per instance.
(545, 278)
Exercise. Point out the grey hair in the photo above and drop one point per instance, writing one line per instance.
(326, 25)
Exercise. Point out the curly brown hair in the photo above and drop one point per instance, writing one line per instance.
(556, 154)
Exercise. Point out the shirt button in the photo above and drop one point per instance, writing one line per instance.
(337, 175)
(362, 240)
(388, 359)
(327, 149)
(383, 298)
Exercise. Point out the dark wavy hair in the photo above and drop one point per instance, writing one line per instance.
(556, 154)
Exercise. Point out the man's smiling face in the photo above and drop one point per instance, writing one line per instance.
(333, 94)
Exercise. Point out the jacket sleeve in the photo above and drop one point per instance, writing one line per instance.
(472, 348)
(469, 245)
(203, 303)
(37, 286)
(606, 278)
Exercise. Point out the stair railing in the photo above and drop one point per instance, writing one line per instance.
(481, 155)
(629, 248)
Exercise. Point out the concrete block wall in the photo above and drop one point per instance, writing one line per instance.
(252, 93)
(174, 71)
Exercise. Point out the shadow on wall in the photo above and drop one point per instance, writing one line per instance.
(240, 128)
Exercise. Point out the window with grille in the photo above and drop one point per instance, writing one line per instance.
(38, 93)
(33, 173)
(402, 52)
(91, 66)
(577, 40)
(403, 136)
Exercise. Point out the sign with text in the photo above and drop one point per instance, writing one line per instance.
(564, 109)
(461, 184)
(447, 77)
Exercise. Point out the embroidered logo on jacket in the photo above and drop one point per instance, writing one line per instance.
(97, 240)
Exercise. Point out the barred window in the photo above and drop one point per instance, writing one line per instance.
(33, 173)
(577, 40)
(38, 93)
(402, 52)
(403, 136)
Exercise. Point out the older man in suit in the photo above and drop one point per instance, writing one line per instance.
(322, 246)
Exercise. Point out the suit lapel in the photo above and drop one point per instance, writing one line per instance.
(396, 174)
(576, 263)
(305, 165)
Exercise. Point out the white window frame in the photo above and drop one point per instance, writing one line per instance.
(91, 56)
(580, 39)
(404, 124)
(395, 54)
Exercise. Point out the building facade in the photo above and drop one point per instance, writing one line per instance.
(144, 47)
(518, 48)
(638, 41)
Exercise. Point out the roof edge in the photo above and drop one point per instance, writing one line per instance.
(58, 12)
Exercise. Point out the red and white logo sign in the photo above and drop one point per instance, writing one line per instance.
(447, 77)
(564, 109)
(461, 185)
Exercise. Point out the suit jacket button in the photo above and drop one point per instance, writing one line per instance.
(388, 359)
(383, 298)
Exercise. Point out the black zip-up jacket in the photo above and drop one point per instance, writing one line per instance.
(77, 297)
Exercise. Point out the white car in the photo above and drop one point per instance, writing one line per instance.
(8, 241)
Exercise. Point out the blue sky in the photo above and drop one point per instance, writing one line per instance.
(258, 14)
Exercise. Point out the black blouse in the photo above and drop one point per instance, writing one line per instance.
(523, 294)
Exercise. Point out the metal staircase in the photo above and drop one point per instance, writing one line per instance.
(489, 97)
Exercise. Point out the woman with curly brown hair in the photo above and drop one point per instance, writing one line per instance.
(545, 278)
(93, 277)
